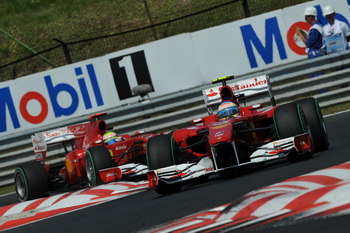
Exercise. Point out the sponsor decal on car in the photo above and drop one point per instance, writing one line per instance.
(123, 147)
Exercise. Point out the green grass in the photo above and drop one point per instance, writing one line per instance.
(36, 22)
(7, 189)
(335, 109)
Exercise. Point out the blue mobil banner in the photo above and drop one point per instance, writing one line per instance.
(259, 42)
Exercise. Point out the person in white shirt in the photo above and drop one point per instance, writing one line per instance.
(336, 33)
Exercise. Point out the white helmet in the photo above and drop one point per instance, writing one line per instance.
(310, 10)
(327, 10)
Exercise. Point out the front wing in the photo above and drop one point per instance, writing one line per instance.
(129, 171)
(133, 170)
(187, 171)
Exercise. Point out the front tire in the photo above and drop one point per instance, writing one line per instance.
(289, 120)
(161, 152)
(31, 181)
(316, 123)
(97, 158)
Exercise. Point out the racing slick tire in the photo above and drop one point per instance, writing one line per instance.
(290, 120)
(316, 123)
(31, 181)
(161, 152)
(97, 158)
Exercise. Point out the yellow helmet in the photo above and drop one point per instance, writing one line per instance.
(110, 138)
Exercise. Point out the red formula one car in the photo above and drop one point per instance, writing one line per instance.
(88, 160)
(237, 135)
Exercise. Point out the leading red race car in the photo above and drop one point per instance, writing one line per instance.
(236, 136)
(89, 161)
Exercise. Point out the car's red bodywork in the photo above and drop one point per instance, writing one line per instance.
(223, 131)
(255, 135)
(80, 137)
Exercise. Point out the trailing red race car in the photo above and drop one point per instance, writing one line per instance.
(237, 135)
(92, 154)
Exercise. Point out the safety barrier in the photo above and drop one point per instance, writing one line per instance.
(326, 78)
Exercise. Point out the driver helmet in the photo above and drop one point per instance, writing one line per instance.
(111, 138)
(227, 110)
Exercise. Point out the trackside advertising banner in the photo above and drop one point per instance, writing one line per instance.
(169, 65)
(97, 85)
(259, 42)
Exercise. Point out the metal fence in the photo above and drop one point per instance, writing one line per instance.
(175, 110)
(158, 23)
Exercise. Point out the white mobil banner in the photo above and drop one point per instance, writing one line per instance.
(259, 42)
(55, 95)
(96, 85)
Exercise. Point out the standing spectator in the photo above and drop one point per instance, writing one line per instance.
(314, 38)
(336, 33)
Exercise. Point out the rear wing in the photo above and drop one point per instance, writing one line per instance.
(242, 89)
(42, 139)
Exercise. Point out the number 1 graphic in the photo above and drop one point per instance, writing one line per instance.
(129, 71)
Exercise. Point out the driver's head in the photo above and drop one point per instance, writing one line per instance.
(227, 110)
(110, 138)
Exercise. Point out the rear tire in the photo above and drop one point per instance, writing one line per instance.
(289, 120)
(161, 152)
(316, 123)
(31, 181)
(97, 158)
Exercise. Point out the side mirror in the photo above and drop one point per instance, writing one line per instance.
(140, 132)
(255, 106)
(198, 121)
